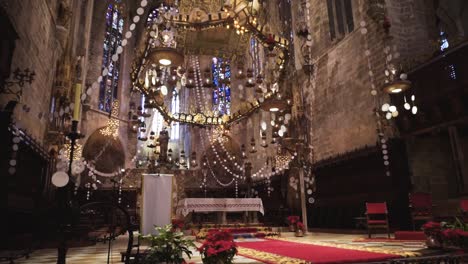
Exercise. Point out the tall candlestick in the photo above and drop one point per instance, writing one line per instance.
(76, 109)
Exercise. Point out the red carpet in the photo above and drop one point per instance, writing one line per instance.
(307, 252)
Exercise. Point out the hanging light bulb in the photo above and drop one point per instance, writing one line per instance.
(240, 71)
(164, 90)
(263, 125)
(414, 110)
(146, 80)
(250, 78)
(182, 158)
(244, 156)
(385, 107)
(264, 142)
(252, 145)
(190, 78)
(193, 159)
(407, 106)
(169, 155)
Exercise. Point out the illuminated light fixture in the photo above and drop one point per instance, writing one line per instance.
(190, 78)
(165, 56)
(77, 151)
(164, 90)
(207, 83)
(112, 128)
(244, 156)
(169, 155)
(264, 138)
(250, 78)
(182, 158)
(193, 159)
(397, 86)
(274, 104)
(252, 145)
(165, 62)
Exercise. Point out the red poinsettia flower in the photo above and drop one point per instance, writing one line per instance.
(177, 223)
(300, 225)
(293, 219)
(219, 244)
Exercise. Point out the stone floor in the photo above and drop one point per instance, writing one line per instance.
(98, 253)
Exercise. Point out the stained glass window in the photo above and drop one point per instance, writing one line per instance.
(222, 91)
(112, 40)
(444, 44)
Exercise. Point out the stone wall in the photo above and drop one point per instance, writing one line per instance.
(338, 105)
(37, 48)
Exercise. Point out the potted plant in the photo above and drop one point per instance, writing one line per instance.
(292, 220)
(177, 224)
(433, 232)
(218, 248)
(446, 235)
(299, 229)
(168, 246)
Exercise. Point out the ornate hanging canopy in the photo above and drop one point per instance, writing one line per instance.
(194, 30)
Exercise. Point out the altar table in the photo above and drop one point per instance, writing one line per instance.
(223, 205)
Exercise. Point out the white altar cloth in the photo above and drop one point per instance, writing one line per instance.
(186, 206)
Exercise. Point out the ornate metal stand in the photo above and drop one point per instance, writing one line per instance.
(65, 196)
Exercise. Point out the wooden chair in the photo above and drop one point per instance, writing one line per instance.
(377, 217)
(132, 254)
(421, 207)
(464, 209)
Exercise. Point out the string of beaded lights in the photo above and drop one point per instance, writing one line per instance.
(373, 92)
(15, 147)
(217, 134)
(199, 103)
(112, 127)
(119, 50)
(234, 175)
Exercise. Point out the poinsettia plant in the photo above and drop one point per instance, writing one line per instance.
(300, 226)
(219, 247)
(293, 219)
(449, 234)
(178, 224)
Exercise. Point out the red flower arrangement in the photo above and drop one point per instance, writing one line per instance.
(219, 247)
(177, 223)
(293, 219)
(300, 226)
(448, 235)
(432, 228)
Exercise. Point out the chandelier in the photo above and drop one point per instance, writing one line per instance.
(166, 56)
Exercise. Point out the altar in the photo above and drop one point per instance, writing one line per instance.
(221, 205)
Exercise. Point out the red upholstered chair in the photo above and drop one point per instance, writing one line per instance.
(377, 217)
(421, 207)
(464, 209)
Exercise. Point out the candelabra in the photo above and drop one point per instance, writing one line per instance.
(20, 78)
(66, 199)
